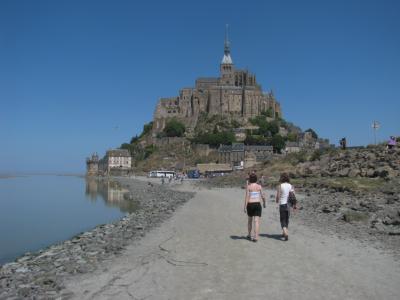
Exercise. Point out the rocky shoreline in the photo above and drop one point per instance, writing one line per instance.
(41, 275)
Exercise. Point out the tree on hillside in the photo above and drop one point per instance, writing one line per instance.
(292, 137)
(215, 138)
(130, 147)
(278, 142)
(265, 128)
(146, 129)
(257, 140)
(268, 113)
(235, 124)
(273, 127)
(134, 139)
(174, 128)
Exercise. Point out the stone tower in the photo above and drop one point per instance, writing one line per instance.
(92, 165)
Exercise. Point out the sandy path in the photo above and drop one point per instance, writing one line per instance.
(201, 253)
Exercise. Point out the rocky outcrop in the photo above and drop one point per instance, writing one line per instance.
(370, 215)
(368, 162)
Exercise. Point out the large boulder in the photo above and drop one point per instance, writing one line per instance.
(355, 216)
(344, 172)
(354, 172)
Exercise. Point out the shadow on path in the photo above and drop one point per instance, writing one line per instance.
(272, 236)
(236, 237)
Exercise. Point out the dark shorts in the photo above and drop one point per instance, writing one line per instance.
(284, 213)
(254, 209)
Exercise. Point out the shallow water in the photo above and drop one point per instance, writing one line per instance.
(37, 211)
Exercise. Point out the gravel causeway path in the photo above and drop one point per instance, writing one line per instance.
(201, 253)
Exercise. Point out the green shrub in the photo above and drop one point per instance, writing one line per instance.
(278, 142)
(131, 148)
(268, 113)
(161, 135)
(215, 138)
(174, 128)
(146, 129)
(257, 140)
(134, 139)
(265, 128)
(149, 150)
(292, 137)
(316, 155)
(235, 123)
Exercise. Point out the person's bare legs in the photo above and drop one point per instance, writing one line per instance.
(256, 227)
(249, 225)
(285, 232)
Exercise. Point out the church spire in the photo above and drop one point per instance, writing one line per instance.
(227, 51)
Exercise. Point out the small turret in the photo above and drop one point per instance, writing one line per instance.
(92, 165)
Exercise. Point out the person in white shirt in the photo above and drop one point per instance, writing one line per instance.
(282, 196)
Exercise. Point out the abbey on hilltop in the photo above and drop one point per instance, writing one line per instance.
(235, 93)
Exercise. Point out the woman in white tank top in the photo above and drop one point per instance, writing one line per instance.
(252, 206)
(282, 196)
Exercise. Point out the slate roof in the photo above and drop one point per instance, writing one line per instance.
(118, 153)
(292, 144)
(259, 148)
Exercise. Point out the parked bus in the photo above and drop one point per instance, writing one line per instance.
(160, 174)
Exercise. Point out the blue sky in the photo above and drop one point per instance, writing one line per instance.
(84, 76)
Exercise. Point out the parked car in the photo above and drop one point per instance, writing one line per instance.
(193, 174)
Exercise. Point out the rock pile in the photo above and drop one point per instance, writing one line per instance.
(364, 192)
(40, 275)
(370, 215)
(367, 162)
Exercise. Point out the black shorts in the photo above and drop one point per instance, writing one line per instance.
(254, 209)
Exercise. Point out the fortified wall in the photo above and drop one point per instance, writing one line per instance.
(235, 93)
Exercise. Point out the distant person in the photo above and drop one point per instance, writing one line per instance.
(343, 143)
(282, 197)
(391, 143)
(247, 178)
(262, 180)
(162, 180)
(252, 206)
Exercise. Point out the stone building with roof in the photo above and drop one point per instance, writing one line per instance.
(235, 93)
(292, 147)
(116, 161)
(237, 153)
(213, 168)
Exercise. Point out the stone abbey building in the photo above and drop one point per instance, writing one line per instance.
(235, 93)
